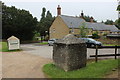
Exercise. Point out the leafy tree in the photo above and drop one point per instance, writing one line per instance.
(117, 23)
(19, 23)
(109, 22)
(87, 18)
(118, 8)
(95, 35)
(45, 23)
(83, 30)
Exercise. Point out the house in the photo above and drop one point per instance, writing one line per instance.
(64, 25)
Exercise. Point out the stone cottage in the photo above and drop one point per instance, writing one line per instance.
(64, 25)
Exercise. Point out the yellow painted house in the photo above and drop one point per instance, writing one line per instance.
(64, 25)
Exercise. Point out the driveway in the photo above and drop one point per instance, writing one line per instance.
(29, 62)
(47, 51)
(22, 65)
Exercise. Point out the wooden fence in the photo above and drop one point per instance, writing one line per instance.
(105, 55)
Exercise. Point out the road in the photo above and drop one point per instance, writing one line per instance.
(47, 51)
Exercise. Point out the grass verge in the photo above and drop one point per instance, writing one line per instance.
(110, 45)
(43, 43)
(4, 47)
(92, 70)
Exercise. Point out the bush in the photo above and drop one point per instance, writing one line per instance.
(95, 35)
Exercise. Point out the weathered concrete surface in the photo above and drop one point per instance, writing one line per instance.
(70, 53)
(36, 49)
(22, 65)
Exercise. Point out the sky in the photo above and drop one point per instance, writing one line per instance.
(99, 9)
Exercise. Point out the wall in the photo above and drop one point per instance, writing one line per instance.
(58, 29)
(102, 32)
(77, 31)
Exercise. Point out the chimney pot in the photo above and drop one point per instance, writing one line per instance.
(91, 20)
(82, 15)
(58, 10)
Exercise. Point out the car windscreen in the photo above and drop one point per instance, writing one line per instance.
(51, 40)
(91, 39)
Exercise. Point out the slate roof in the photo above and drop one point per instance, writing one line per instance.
(72, 22)
(75, 22)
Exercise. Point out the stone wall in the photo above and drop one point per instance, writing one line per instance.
(70, 53)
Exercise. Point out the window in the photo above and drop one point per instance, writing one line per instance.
(53, 30)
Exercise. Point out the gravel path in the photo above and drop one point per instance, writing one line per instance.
(22, 65)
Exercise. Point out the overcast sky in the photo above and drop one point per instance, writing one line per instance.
(99, 9)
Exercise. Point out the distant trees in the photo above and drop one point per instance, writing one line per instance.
(87, 18)
(45, 23)
(109, 22)
(19, 23)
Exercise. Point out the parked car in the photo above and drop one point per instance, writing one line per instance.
(51, 42)
(91, 42)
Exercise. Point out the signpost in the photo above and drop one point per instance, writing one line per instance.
(13, 43)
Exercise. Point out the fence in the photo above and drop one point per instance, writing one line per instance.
(105, 55)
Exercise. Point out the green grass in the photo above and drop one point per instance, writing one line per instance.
(43, 43)
(92, 70)
(4, 47)
(110, 45)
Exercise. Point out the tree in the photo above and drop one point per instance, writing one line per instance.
(109, 22)
(87, 18)
(95, 35)
(19, 23)
(45, 23)
(117, 23)
(118, 8)
(83, 30)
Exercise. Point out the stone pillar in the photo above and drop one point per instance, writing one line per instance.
(69, 53)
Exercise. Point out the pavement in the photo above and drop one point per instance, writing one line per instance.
(29, 62)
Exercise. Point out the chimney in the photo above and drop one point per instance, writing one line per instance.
(91, 20)
(58, 10)
(82, 15)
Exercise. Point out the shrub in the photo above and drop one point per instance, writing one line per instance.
(95, 35)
